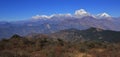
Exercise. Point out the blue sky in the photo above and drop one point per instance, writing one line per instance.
(14, 10)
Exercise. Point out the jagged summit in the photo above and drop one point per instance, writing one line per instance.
(81, 13)
(77, 14)
(103, 15)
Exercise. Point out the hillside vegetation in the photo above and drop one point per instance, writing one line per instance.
(45, 46)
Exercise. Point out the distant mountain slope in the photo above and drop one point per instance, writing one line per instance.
(89, 34)
(49, 24)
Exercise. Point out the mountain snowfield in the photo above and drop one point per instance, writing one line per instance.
(81, 19)
(104, 15)
(78, 14)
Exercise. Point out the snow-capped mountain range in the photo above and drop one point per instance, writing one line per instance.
(81, 19)
(78, 14)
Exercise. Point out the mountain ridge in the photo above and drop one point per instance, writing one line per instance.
(88, 34)
(57, 22)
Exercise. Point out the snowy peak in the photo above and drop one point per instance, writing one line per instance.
(104, 15)
(51, 16)
(78, 14)
(41, 17)
(81, 13)
(61, 15)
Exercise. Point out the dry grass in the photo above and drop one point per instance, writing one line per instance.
(46, 47)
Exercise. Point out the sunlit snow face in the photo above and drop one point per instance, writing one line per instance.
(78, 14)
